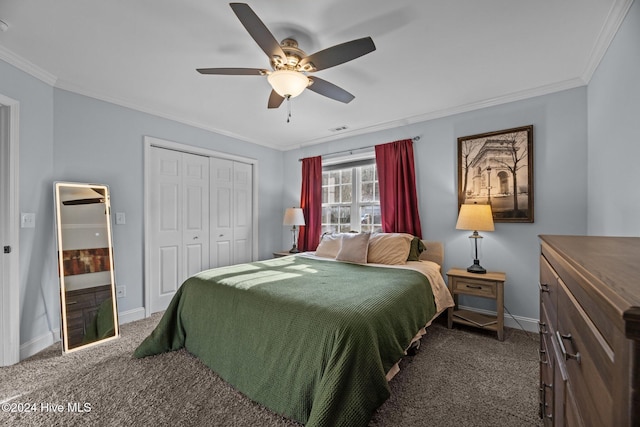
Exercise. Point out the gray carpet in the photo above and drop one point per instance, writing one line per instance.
(458, 378)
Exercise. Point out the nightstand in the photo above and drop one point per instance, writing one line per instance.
(489, 285)
(281, 254)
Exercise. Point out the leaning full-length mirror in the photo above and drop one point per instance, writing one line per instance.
(85, 263)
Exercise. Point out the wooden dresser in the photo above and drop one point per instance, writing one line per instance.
(82, 306)
(590, 331)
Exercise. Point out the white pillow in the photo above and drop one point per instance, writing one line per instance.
(389, 248)
(354, 248)
(329, 246)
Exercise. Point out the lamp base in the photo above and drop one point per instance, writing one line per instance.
(294, 248)
(476, 268)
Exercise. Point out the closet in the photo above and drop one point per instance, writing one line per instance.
(199, 215)
(231, 222)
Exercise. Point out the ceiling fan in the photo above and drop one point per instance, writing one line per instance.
(290, 64)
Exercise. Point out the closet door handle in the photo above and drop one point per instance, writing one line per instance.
(576, 356)
(544, 287)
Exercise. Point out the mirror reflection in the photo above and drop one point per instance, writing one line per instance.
(85, 260)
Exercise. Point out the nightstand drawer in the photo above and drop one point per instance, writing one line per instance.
(474, 287)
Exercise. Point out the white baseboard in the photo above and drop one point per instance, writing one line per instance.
(38, 344)
(526, 323)
(131, 315)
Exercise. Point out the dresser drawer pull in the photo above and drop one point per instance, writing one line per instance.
(566, 355)
(542, 353)
(544, 287)
(71, 302)
(543, 400)
(474, 286)
(542, 328)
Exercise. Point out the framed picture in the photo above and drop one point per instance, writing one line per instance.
(496, 168)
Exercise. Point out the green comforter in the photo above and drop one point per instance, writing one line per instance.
(307, 338)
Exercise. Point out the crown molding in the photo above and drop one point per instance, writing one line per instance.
(28, 67)
(70, 87)
(612, 24)
(432, 115)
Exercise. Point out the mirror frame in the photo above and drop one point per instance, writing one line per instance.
(60, 255)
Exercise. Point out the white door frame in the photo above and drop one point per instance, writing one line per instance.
(149, 142)
(9, 233)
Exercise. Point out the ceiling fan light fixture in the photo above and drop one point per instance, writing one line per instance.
(288, 83)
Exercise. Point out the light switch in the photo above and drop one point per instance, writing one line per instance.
(120, 218)
(28, 220)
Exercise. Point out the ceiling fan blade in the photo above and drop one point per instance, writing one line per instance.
(329, 90)
(274, 100)
(339, 54)
(258, 30)
(233, 71)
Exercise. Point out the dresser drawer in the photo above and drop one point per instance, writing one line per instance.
(589, 360)
(480, 288)
(78, 300)
(549, 289)
(546, 359)
(75, 319)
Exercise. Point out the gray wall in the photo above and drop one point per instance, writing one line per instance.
(38, 283)
(100, 142)
(614, 135)
(560, 176)
(70, 137)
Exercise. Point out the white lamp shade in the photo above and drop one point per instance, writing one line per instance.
(288, 83)
(293, 216)
(475, 217)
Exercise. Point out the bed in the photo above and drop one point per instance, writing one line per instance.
(313, 337)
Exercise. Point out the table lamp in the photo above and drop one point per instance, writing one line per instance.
(293, 217)
(475, 218)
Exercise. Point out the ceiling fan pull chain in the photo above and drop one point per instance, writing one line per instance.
(288, 109)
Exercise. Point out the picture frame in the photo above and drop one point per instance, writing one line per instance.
(496, 168)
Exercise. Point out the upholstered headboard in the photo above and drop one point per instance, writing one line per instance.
(434, 252)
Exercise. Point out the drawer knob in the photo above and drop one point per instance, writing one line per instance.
(566, 355)
(544, 287)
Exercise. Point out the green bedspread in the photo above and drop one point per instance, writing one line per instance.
(309, 339)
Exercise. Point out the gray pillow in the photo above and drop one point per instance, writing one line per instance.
(354, 248)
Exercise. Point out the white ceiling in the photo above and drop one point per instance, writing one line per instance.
(433, 57)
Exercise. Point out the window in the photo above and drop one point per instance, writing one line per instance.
(351, 197)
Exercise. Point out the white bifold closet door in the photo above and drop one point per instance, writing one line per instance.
(179, 221)
(232, 212)
(200, 216)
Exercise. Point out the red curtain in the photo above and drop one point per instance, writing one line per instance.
(397, 180)
(311, 203)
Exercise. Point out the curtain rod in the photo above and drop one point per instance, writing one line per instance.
(414, 139)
